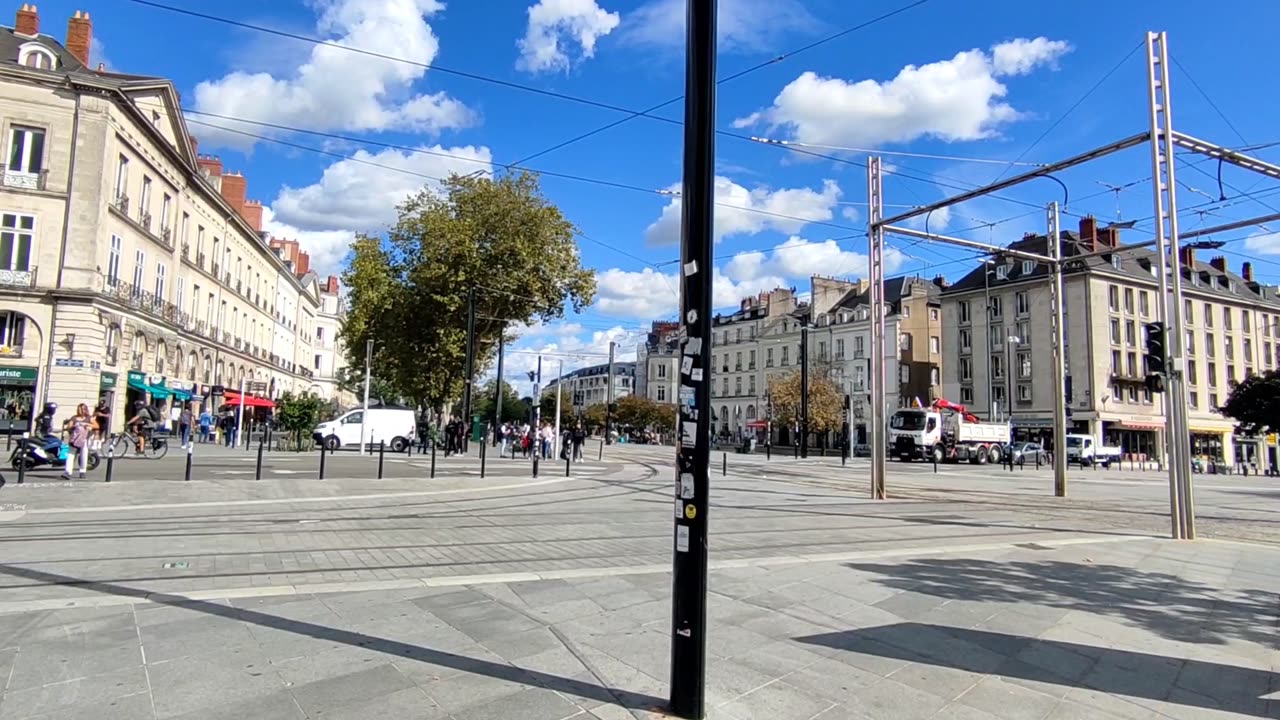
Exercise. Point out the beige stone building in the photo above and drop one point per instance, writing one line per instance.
(130, 266)
(1232, 330)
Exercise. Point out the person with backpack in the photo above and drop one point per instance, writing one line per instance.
(184, 425)
(143, 421)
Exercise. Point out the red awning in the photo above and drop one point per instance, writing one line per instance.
(233, 398)
(758, 424)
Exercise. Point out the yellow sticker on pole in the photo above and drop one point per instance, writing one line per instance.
(690, 511)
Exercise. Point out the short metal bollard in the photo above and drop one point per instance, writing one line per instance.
(382, 449)
(111, 460)
(433, 460)
(934, 456)
(768, 451)
(535, 464)
(483, 455)
(22, 459)
(600, 457)
(1037, 461)
(567, 462)
(257, 471)
(323, 451)
(724, 463)
(795, 451)
(186, 475)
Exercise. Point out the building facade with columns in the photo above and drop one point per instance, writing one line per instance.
(131, 266)
(1232, 330)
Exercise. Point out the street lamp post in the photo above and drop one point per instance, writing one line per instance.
(364, 416)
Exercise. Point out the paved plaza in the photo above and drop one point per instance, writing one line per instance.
(970, 593)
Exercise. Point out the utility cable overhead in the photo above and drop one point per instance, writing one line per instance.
(1209, 100)
(745, 71)
(899, 153)
(1053, 126)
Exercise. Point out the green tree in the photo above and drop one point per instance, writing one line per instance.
(1255, 404)
(351, 379)
(498, 237)
(298, 415)
(826, 402)
(514, 407)
(593, 417)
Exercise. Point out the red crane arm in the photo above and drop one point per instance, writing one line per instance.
(944, 404)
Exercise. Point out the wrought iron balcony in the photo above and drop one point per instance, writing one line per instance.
(166, 234)
(121, 203)
(144, 300)
(23, 180)
(144, 219)
(11, 351)
(18, 278)
(113, 355)
(135, 361)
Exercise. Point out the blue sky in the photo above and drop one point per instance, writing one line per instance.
(987, 79)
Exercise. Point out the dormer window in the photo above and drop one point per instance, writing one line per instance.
(1028, 267)
(1002, 272)
(35, 55)
(1115, 261)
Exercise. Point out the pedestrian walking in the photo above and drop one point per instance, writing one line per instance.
(101, 422)
(79, 427)
(579, 439)
(206, 425)
(184, 425)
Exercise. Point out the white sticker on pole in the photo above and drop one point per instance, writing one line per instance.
(682, 538)
(686, 486)
(691, 268)
(686, 364)
(693, 347)
(679, 508)
(696, 375)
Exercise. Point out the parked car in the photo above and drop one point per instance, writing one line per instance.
(862, 450)
(1028, 453)
(394, 425)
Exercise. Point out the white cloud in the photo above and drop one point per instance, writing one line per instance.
(799, 259)
(954, 100)
(643, 294)
(555, 24)
(1264, 243)
(742, 25)
(327, 248)
(761, 209)
(356, 194)
(568, 344)
(336, 89)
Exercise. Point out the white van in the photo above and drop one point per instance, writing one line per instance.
(393, 425)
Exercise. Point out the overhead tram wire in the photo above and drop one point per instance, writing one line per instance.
(1209, 100)
(406, 148)
(745, 71)
(1053, 126)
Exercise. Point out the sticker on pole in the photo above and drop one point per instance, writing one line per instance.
(682, 538)
(690, 511)
(686, 486)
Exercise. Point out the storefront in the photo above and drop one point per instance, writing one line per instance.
(1134, 438)
(1032, 429)
(1207, 444)
(17, 391)
(107, 394)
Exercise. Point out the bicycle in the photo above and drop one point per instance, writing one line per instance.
(126, 445)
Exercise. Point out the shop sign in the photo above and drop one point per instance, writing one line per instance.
(18, 376)
(137, 377)
(108, 381)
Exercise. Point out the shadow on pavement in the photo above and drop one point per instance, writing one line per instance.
(475, 666)
(1167, 605)
(1187, 682)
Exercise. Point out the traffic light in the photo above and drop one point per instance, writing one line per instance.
(1156, 356)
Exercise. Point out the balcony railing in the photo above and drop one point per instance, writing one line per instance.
(10, 351)
(200, 260)
(202, 327)
(166, 234)
(24, 180)
(113, 355)
(186, 250)
(18, 278)
(121, 203)
(136, 361)
(145, 300)
(215, 269)
(144, 219)
(226, 337)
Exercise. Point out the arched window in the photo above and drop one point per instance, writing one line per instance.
(13, 330)
(139, 349)
(208, 367)
(35, 55)
(191, 367)
(751, 412)
(217, 378)
(161, 350)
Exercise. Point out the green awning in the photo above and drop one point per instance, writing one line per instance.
(159, 392)
(138, 381)
(181, 394)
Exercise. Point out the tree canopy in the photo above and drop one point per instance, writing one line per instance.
(1255, 404)
(499, 237)
(298, 415)
(513, 407)
(826, 402)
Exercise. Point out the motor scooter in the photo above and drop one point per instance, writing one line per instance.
(26, 454)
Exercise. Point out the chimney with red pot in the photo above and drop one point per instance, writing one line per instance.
(1219, 263)
(1246, 272)
(1089, 232)
(79, 36)
(1187, 256)
(28, 21)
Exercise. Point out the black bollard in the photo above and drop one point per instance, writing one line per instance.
(382, 448)
(22, 459)
(111, 459)
(535, 464)
(483, 455)
(323, 451)
(566, 463)
(795, 451)
(191, 448)
(257, 471)
(408, 449)
(1037, 460)
(433, 460)
(934, 456)
(600, 457)
(724, 464)
(768, 451)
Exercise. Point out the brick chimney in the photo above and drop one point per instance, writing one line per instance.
(1187, 256)
(304, 264)
(79, 36)
(941, 281)
(211, 165)
(1089, 232)
(234, 187)
(331, 285)
(252, 212)
(1219, 263)
(28, 21)
(1246, 272)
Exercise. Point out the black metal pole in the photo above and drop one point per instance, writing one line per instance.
(382, 450)
(111, 459)
(471, 363)
(724, 463)
(497, 402)
(323, 451)
(600, 457)
(567, 455)
(22, 461)
(804, 388)
(262, 442)
(693, 454)
(844, 432)
(191, 449)
(433, 460)
(482, 457)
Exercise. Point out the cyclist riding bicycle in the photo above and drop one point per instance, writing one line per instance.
(141, 424)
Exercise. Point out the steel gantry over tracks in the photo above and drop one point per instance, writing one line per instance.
(1161, 140)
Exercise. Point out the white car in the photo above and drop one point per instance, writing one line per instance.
(396, 426)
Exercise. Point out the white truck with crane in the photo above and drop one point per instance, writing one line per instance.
(946, 432)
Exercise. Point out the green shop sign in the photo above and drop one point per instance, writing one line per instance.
(18, 376)
(108, 381)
